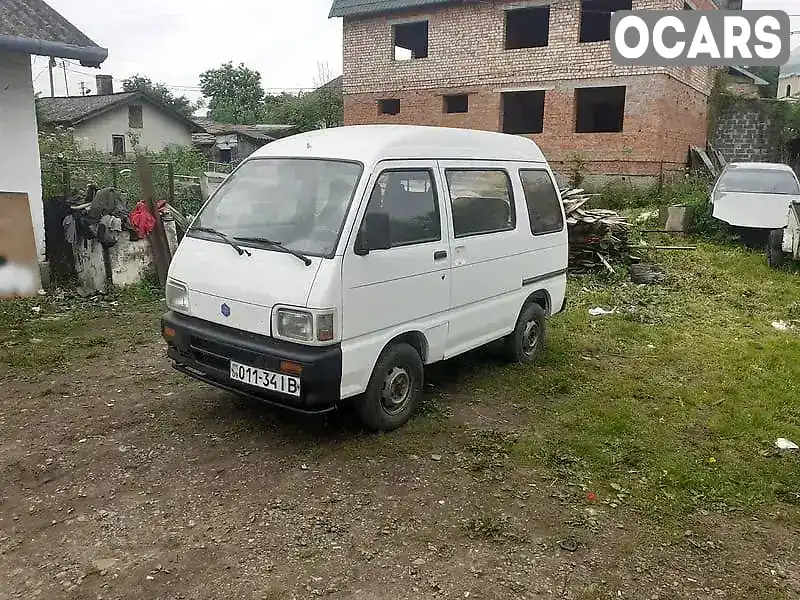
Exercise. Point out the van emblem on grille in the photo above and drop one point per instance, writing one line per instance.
(226, 310)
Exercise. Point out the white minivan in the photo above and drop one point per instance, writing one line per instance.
(336, 264)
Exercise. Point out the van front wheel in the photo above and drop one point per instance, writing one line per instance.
(526, 341)
(394, 390)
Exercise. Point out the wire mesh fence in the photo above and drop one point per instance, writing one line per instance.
(69, 178)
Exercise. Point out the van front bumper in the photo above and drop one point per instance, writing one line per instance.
(203, 350)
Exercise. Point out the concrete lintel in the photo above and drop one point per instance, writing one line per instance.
(524, 88)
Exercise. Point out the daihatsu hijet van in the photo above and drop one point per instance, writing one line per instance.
(336, 264)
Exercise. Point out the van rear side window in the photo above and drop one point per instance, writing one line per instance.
(482, 201)
(544, 207)
(409, 198)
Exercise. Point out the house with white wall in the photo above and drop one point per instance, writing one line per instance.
(789, 81)
(112, 123)
(31, 28)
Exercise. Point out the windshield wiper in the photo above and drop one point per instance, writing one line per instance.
(223, 237)
(274, 244)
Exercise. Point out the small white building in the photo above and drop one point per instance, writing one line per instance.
(112, 123)
(789, 82)
(31, 27)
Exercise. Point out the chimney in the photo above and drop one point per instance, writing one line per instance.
(105, 84)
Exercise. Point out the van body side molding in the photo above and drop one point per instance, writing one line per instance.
(532, 280)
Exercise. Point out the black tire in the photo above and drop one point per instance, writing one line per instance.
(519, 346)
(775, 248)
(399, 365)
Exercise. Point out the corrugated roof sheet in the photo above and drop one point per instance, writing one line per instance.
(263, 131)
(35, 19)
(348, 8)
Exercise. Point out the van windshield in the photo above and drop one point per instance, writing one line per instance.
(759, 181)
(299, 203)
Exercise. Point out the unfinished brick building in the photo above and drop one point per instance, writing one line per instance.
(540, 68)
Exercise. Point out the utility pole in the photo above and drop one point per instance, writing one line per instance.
(50, 66)
(66, 84)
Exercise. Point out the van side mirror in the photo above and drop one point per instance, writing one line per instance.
(375, 234)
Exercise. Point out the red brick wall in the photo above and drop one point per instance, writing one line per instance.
(662, 118)
(665, 108)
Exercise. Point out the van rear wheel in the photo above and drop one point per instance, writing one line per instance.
(526, 341)
(394, 390)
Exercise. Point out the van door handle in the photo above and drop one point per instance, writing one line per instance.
(440, 254)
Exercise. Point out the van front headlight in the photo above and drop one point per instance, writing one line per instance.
(306, 326)
(177, 295)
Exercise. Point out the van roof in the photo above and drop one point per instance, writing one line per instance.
(768, 166)
(371, 143)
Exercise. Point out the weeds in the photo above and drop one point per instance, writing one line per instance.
(494, 526)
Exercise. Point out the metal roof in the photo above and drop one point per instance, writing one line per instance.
(71, 110)
(749, 75)
(34, 27)
(349, 8)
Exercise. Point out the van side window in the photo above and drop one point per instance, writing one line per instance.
(409, 198)
(544, 207)
(482, 201)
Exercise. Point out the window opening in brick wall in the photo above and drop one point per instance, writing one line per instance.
(596, 18)
(788, 90)
(527, 27)
(457, 103)
(600, 109)
(410, 40)
(523, 112)
(135, 116)
(389, 106)
(118, 145)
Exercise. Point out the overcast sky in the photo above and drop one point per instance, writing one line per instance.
(173, 41)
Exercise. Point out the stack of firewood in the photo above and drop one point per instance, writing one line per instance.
(597, 237)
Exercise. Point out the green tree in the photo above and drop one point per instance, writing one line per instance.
(181, 104)
(234, 94)
(318, 109)
(770, 74)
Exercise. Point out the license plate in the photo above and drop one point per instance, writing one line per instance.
(267, 380)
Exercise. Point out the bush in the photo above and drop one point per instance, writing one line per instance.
(700, 222)
(619, 196)
(67, 170)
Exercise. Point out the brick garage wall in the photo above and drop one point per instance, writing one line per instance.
(742, 133)
(665, 108)
(648, 143)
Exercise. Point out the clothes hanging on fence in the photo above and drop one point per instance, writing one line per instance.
(107, 201)
(143, 220)
(108, 230)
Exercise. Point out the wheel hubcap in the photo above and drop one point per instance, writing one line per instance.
(396, 391)
(530, 338)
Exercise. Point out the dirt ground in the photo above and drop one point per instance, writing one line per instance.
(120, 478)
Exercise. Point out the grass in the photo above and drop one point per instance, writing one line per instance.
(48, 333)
(679, 397)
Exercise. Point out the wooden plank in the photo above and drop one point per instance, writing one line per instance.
(18, 257)
(158, 237)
